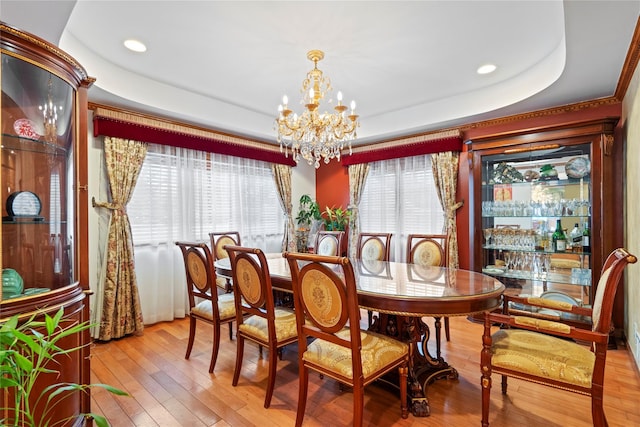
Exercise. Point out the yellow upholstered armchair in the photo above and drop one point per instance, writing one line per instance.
(551, 352)
(327, 312)
(204, 303)
(259, 321)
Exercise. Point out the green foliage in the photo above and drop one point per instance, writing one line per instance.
(336, 218)
(308, 211)
(25, 354)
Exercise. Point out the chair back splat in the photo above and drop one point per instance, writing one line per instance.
(551, 352)
(327, 312)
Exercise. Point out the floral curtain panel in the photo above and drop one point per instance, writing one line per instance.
(121, 313)
(445, 175)
(282, 176)
(357, 178)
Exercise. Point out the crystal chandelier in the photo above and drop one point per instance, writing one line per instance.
(314, 135)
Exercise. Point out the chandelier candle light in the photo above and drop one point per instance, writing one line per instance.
(50, 115)
(314, 135)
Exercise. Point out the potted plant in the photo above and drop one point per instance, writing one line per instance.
(28, 350)
(309, 219)
(336, 218)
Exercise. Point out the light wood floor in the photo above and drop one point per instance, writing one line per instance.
(167, 390)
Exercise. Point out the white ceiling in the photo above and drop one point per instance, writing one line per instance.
(410, 65)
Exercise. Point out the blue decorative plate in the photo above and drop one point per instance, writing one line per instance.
(578, 167)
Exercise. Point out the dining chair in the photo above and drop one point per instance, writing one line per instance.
(329, 243)
(258, 319)
(204, 302)
(376, 247)
(551, 352)
(327, 312)
(430, 250)
(218, 242)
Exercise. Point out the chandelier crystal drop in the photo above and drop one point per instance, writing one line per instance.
(314, 135)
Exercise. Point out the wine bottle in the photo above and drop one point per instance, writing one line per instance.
(576, 238)
(559, 239)
(586, 238)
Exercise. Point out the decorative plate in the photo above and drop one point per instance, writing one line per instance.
(26, 128)
(559, 296)
(578, 167)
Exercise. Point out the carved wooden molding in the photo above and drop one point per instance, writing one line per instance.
(608, 144)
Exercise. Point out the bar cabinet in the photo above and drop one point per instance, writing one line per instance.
(524, 185)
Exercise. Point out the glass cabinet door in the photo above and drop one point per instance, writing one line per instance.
(37, 179)
(536, 220)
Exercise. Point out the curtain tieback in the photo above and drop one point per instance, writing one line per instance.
(111, 206)
(452, 210)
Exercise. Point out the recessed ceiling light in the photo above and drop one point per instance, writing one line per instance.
(135, 45)
(486, 69)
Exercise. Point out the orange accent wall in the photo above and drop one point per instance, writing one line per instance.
(332, 185)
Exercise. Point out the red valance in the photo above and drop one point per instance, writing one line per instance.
(180, 136)
(414, 146)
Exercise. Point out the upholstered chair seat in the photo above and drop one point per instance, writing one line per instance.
(226, 308)
(543, 356)
(285, 323)
(376, 354)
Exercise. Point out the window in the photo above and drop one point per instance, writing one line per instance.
(185, 194)
(400, 197)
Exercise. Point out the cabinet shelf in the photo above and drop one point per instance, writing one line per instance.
(537, 216)
(537, 251)
(552, 277)
(23, 144)
(548, 183)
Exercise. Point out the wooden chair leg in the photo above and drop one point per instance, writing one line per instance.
(302, 393)
(597, 409)
(239, 355)
(230, 331)
(486, 397)
(192, 334)
(403, 372)
(370, 317)
(216, 346)
(273, 364)
(447, 334)
(358, 405)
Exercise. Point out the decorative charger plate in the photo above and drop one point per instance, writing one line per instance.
(25, 128)
(578, 167)
(559, 296)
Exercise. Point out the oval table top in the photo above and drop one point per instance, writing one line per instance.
(405, 289)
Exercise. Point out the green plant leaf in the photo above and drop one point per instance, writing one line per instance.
(99, 420)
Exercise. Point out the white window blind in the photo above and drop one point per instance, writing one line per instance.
(185, 194)
(400, 197)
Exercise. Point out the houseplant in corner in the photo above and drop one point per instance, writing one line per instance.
(27, 351)
(309, 219)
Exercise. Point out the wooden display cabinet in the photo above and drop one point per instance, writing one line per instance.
(522, 183)
(44, 244)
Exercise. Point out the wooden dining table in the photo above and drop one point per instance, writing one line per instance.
(402, 295)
